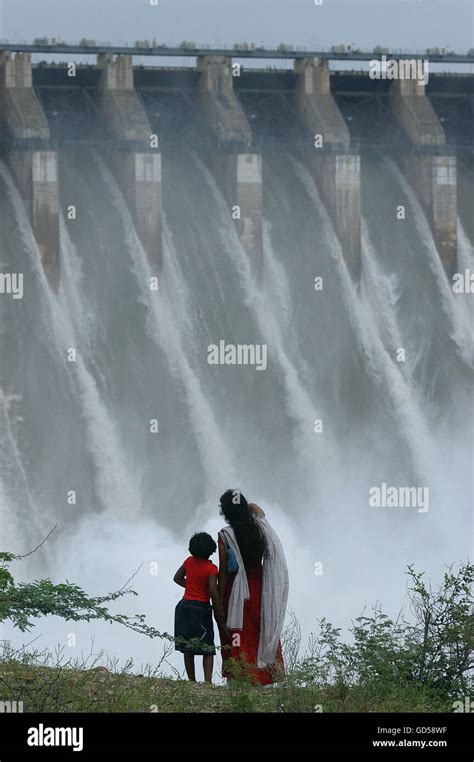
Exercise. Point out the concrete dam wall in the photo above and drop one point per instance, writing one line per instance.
(227, 114)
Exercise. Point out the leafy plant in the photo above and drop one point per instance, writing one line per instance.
(20, 603)
(434, 650)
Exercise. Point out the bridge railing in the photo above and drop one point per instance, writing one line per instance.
(189, 49)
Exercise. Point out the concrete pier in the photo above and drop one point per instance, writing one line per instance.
(395, 117)
(33, 164)
(335, 165)
(238, 170)
(135, 158)
(428, 165)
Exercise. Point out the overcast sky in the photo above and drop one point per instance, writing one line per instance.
(407, 24)
(394, 23)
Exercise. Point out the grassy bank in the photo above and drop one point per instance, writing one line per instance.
(421, 664)
(68, 689)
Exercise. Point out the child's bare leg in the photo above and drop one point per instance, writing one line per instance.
(189, 665)
(208, 664)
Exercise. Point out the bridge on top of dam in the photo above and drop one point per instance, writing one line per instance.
(154, 48)
(231, 113)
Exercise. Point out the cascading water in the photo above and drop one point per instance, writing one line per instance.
(460, 330)
(114, 487)
(142, 355)
(299, 406)
(169, 325)
(380, 366)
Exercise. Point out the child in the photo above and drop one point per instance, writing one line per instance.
(193, 614)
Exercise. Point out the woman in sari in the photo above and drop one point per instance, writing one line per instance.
(253, 588)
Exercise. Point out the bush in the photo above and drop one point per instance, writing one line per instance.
(22, 602)
(431, 655)
(417, 665)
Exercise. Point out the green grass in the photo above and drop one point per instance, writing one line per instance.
(383, 665)
(67, 689)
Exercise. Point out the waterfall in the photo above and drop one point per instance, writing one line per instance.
(19, 507)
(465, 263)
(465, 248)
(168, 323)
(142, 355)
(381, 293)
(454, 314)
(380, 365)
(114, 484)
(299, 405)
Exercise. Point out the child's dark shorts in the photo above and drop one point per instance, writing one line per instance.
(193, 621)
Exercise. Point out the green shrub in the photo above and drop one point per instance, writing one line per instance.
(429, 657)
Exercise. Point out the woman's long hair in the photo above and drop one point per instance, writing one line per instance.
(235, 510)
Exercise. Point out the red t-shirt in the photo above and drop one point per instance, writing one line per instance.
(198, 571)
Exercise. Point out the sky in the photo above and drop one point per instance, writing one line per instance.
(407, 24)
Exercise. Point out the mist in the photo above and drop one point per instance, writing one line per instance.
(83, 427)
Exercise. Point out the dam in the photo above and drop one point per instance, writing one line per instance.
(235, 271)
(226, 111)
